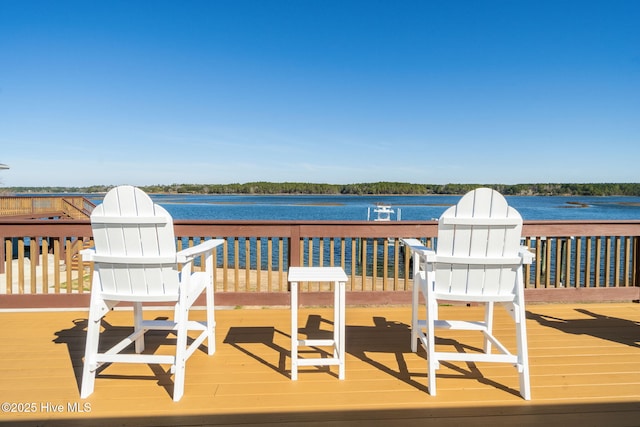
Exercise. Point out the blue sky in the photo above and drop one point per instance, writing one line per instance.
(161, 92)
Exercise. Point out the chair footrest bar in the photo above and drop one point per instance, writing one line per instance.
(135, 358)
(319, 362)
(159, 325)
(461, 325)
(169, 325)
(316, 343)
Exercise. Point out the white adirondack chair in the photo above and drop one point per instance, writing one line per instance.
(135, 261)
(478, 259)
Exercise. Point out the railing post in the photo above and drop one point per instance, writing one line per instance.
(294, 251)
(2, 255)
(636, 261)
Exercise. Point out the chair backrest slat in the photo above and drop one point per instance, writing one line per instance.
(481, 226)
(135, 245)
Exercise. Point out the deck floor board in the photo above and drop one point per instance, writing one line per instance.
(585, 368)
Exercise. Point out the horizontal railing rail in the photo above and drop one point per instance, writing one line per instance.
(41, 257)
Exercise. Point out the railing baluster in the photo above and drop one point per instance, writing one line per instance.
(633, 262)
(247, 264)
(236, 264)
(385, 264)
(598, 262)
(281, 266)
(567, 263)
(548, 263)
(33, 263)
(332, 251)
(607, 262)
(374, 271)
(588, 263)
(225, 265)
(9, 265)
(396, 264)
(80, 266)
(557, 263)
(578, 262)
(56, 263)
(616, 262)
(353, 260)
(364, 243)
(21, 266)
(269, 263)
(45, 266)
(68, 269)
(540, 263)
(407, 255)
(626, 259)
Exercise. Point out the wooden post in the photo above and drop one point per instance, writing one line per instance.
(636, 261)
(2, 255)
(294, 250)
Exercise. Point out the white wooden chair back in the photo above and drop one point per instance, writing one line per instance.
(478, 248)
(135, 248)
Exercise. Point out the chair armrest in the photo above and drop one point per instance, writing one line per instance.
(188, 254)
(416, 246)
(87, 254)
(526, 255)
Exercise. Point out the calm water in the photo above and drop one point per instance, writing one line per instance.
(355, 208)
(411, 207)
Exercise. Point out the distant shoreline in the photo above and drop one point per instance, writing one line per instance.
(361, 189)
(102, 193)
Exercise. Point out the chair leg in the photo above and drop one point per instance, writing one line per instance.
(414, 327)
(523, 353)
(90, 355)
(432, 362)
(488, 321)
(211, 320)
(181, 350)
(415, 307)
(415, 300)
(137, 321)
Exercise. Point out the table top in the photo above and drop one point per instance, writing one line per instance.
(317, 274)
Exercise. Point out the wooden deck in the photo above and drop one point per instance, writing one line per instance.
(585, 367)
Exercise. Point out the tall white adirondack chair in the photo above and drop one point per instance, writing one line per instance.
(478, 258)
(135, 260)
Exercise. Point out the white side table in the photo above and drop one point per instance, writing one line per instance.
(339, 279)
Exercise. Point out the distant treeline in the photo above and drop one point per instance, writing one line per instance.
(374, 188)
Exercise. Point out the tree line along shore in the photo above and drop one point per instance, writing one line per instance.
(374, 188)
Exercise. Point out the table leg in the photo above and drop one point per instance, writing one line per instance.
(339, 329)
(343, 336)
(294, 330)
